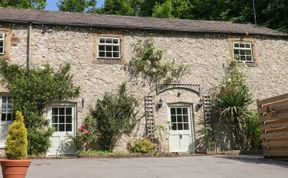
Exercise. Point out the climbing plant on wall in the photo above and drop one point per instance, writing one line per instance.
(32, 90)
(148, 63)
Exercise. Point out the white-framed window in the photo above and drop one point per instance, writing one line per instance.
(243, 51)
(62, 118)
(2, 46)
(109, 48)
(6, 108)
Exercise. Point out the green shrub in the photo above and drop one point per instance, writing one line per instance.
(17, 142)
(114, 116)
(252, 132)
(86, 136)
(143, 146)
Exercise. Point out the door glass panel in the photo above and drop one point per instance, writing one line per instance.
(61, 127)
(173, 118)
(68, 119)
(3, 117)
(173, 111)
(185, 110)
(62, 119)
(54, 119)
(180, 126)
(61, 111)
(6, 108)
(185, 118)
(179, 118)
(68, 127)
(186, 126)
(179, 111)
(54, 111)
(69, 111)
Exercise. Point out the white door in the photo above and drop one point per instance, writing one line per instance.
(180, 133)
(62, 120)
(6, 103)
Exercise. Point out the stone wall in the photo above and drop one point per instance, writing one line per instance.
(208, 55)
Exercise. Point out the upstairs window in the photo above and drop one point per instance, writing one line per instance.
(2, 37)
(6, 108)
(243, 51)
(109, 48)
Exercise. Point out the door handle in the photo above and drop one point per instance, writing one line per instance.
(180, 136)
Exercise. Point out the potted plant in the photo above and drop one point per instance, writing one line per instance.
(16, 150)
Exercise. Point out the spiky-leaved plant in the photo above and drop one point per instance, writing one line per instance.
(17, 143)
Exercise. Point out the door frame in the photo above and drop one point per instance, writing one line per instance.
(8, 123)
(74, 121)
(191, 120)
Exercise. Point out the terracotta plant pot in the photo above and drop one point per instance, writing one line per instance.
(14, 168)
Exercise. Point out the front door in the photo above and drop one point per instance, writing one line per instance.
(6, 104)
(62, 120)
(180, 137)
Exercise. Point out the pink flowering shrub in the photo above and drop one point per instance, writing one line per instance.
(86, 137)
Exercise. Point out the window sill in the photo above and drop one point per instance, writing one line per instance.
(108, 61)
(248, 64)
(251, 64)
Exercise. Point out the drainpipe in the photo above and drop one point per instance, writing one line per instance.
(29, 45)
(27, 65)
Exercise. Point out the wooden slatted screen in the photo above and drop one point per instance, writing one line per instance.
(274, 125)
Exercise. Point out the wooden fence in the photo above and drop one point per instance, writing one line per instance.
(274, 125)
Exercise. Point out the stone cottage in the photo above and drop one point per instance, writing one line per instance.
(99, 46)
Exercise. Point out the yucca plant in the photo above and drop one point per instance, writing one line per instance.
(232, 104)
(17, 143)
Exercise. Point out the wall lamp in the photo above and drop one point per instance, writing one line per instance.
(160, 103)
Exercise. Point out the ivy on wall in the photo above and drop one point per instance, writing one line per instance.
(32, 91)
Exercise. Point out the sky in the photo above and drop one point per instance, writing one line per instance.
(51, 4)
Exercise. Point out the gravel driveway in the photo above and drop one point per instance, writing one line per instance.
(177, 167)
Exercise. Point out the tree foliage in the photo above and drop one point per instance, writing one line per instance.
(32, 91)
(163, 10)
(119, 7)
(17, 143)
(77, 5)
(114, 115)
(25, 4)
(273, 14)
